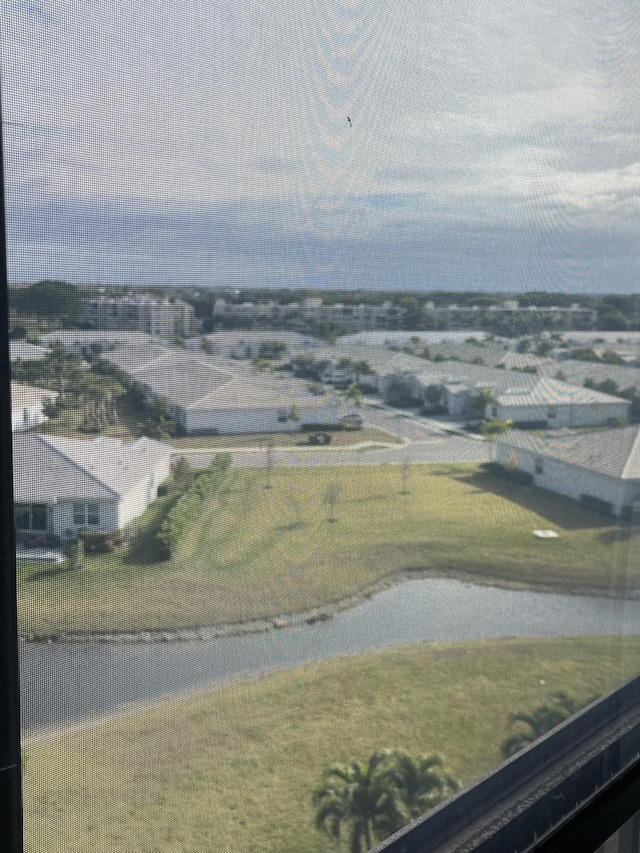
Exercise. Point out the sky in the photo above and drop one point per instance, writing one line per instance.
(412, 145)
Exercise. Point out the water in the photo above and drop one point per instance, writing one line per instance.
(65, 683)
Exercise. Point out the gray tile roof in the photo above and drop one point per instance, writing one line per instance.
(47, 468)
(614, 452)
(546, 391)
(21, 350)
(26, 395)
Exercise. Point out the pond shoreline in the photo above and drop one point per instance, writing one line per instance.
(322, 613)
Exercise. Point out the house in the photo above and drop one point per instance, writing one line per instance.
(208, 395)
(28, 406)
(601, 469)
(23, 351)
(63, 485)
(553, 403)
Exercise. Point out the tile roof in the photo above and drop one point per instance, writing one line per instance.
(614, 452)
(47, 468)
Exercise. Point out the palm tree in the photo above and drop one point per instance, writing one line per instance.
(420, 782)
(527, 727)
(360, 796)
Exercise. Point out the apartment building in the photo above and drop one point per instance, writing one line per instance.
(163, 316)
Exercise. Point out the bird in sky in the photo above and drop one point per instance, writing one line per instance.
(349, 120)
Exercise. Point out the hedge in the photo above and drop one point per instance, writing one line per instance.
(187, 509)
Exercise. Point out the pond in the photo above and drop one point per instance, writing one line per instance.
(64, 682)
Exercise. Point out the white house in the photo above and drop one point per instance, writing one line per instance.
(601, 466)
(27, 406)
(23, 351)
(558, 404)
(208, 395)
(63, 485)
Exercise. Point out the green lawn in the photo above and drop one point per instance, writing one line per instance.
(339, 438)
(233, 770)
(262, 552)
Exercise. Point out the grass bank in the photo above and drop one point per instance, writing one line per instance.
(234, 769)
(339, 438)
(258, 552)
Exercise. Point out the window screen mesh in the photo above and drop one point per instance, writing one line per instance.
(325, 343)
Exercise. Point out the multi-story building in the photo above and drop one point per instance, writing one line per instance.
(163, 316)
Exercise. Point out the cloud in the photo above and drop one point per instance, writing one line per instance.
(465, 116)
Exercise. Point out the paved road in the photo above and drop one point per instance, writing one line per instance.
(449, 449)
(426, 442)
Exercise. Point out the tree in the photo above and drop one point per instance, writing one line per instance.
(332, 497)
(272, 349)
(405, 473)
(610, 356)
(294, 413)
(207, 346)
(354, 394)
(400, 391)
(50, 299)
(527, 727)
(268, 462)
(478, 404)
(361, 799)
(420, 782)
(433, 395)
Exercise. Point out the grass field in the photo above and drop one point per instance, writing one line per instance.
(234, 770)
(259, 552)
(339, 438)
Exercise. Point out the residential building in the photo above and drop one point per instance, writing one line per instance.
(28, 406)
(601, 469)
(164, 316)
(65, 485)
(23, 351)
(558, 404)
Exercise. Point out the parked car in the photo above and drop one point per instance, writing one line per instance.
(353, 421)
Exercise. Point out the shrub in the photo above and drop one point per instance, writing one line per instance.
(103, 542)
(188, 508)
(493, 426)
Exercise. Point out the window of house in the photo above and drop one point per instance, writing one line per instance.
(79, 516)
(552, 412)
(93, 514)
(539, 465)
(86, 513)
(31, 517)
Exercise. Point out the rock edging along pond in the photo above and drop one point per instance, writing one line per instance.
(307, 617)
(67, 682)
